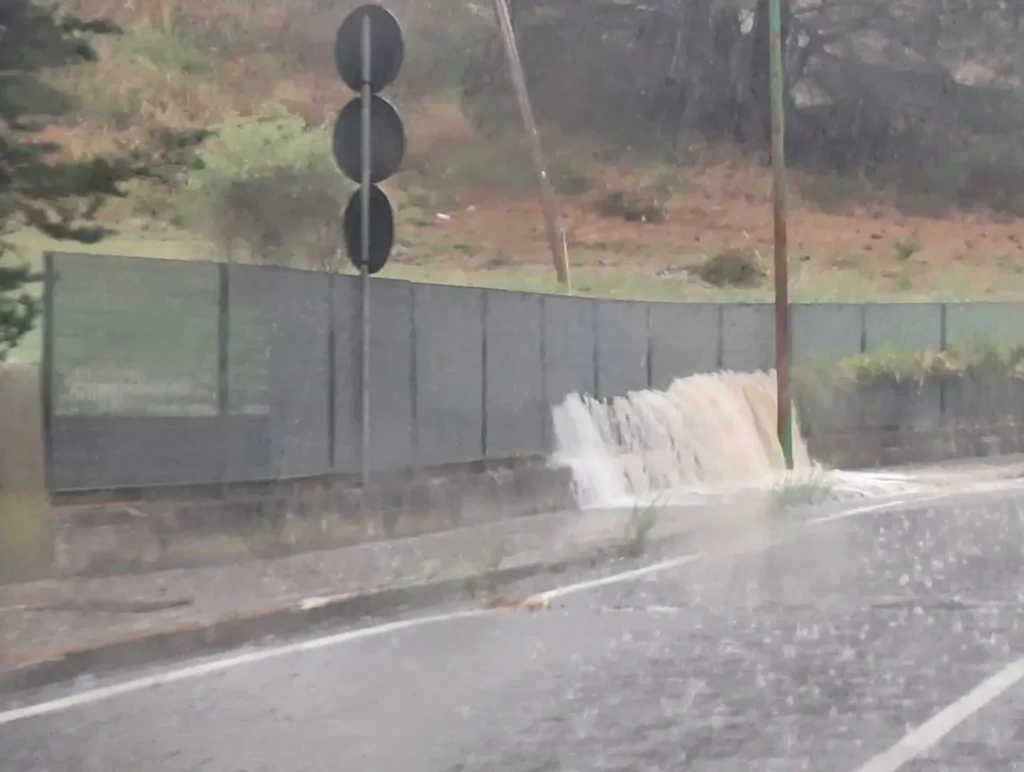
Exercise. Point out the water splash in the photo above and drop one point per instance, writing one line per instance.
(704, 435)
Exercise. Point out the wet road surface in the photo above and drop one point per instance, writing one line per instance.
(816, 655)
(993, 738)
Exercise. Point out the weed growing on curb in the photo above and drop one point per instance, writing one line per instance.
(639, 525)
(802, 491)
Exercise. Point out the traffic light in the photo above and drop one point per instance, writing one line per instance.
(369, 138)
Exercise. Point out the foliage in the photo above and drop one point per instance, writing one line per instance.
(645, 205)
(801, 489)
(177, 50)
(40, 188)
(641, 522)
(269, 185)
(912, 95)
(18, 308)
(873, 89)
(732, 268)
(913, 367)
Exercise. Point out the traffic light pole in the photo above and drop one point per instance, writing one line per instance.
(368, 54)
(364, 231)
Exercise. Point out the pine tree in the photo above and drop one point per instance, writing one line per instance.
(55, 196)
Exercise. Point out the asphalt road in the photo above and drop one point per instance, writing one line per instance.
(818, 655)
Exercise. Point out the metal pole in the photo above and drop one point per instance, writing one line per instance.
(364, 225)
(784, 403)
(48, 397)
(223, 338)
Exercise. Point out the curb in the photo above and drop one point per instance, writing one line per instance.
(189, 639)
(291, 617)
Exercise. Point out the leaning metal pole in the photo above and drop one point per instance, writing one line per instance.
(782, 360)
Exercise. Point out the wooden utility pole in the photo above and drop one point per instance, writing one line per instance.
(549, 204)
(784, 403)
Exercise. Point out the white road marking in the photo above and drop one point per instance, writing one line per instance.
(665, 565)
(223, 663)
(625, 576)
(917, 742)
(988, 486)
(869, 508)
(100, 694)
(248, 658)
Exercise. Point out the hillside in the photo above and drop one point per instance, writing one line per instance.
(262, 74)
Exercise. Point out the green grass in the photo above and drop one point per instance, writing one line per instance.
(628, 285)
(637, 531)
(806, 489)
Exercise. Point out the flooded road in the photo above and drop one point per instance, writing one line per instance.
(819, 654)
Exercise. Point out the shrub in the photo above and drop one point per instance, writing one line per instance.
(645, 205)
(732, 268)
(889, 365)
(181, 50)
(269, 187)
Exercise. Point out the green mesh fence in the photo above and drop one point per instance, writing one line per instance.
(134, 336)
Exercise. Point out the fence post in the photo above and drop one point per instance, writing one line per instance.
(596, 327)
(650, 347)
(414, 388)
(223, 339)
(943, 343)
(720, 340)
(47, 384)
(863, 328)
(332, 373)
(484, 325)
(547, 430)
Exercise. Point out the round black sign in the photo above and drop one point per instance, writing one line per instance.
(387, 48)
(382, 229)
(387, 139)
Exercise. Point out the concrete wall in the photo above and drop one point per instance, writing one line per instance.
(455, 374)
